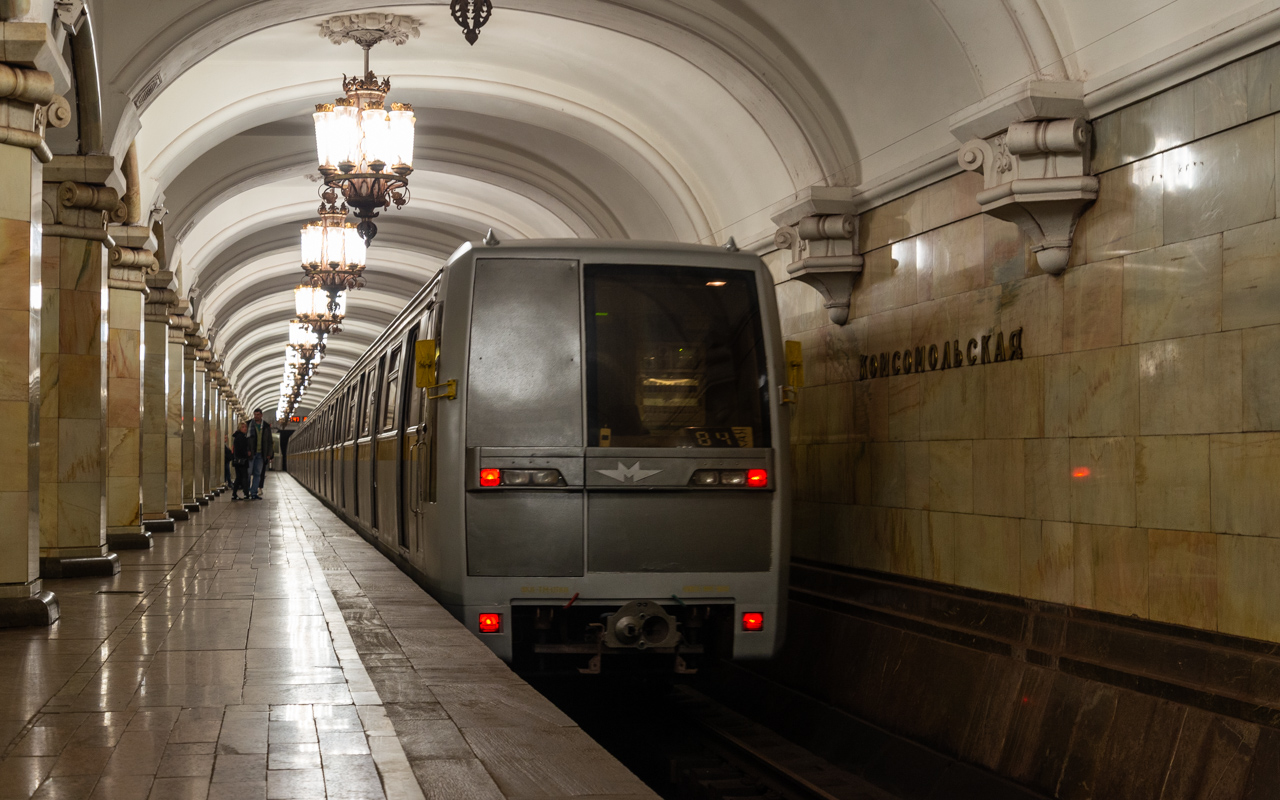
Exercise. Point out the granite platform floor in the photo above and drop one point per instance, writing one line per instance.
(264, 650)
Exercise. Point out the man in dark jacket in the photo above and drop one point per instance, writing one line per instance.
(240, 458)
(262, 449)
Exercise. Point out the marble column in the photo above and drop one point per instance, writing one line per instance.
(175, 418)
(23, 600)
(73, 369)
(188, 423)
(129, 263)
(199, 422)
(155, 402)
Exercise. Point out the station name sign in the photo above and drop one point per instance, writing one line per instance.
(950, 356)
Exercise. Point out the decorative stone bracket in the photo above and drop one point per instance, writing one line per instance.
(131, 260)
(1031, 145)
(821, 231)
(32, 77)
(75, 210)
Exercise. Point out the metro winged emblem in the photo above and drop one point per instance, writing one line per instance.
(633, 472)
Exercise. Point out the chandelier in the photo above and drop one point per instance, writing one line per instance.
(305, 343)
(333, 254)
(321, 309)
(364, 147)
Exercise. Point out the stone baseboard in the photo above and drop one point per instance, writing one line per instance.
(180, 514)
(37, 610)
(159, 525)
(192, 508)
(91, 567)
(132, 540)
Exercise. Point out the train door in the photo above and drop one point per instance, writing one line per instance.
(375, 382)
(388, 445)
(402, 391)
(359, 477)
(351, 496)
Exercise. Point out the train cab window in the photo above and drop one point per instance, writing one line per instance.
(391, 391)
(675, 358)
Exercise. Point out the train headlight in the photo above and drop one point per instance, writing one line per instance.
(753, 478)
(492, 477)
(515, 477)
(705, 477)
(545, 477)
(733, 477)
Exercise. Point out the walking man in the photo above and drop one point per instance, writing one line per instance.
(262, 448)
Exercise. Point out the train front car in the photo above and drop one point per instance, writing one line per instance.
(624, 452)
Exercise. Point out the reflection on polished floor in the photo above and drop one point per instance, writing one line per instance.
(264, 650)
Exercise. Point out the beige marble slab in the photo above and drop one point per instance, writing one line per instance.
(891, 222)
(1048, 563)
(1006, 252)
(1158, 123)
(1035, 306)
(1173, 291)
(988, 553)
(1047, 469)
(951, 476)
(953, 404)
(904, 407)
(1106, 142)
(1250, 280)
(1014, 399)
(1183, 578)
(939, 546)
(949, 260)
(1171, 480)
(1262, 83)
(1260, 378)
(15, 186)
(1224, 181)
(888, 279)
(1191, 384)
(949, 200)
(1111, 569)
(1092, 297)
(1248, 604)
(1244, 473)
(1104, 392)
(1057, 395)
(998, 478)
(916, 490)
(1128, 216)
(1221, 99)
(1102, 481)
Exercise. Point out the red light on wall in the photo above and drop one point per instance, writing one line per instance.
(491, 623)
(490, 477)
(757, 477)
(753, 621)
(1081, 472)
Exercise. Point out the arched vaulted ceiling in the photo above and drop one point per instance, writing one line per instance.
(687, 120)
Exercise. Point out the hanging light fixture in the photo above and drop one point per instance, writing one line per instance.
(364, 146)
(333, 254)
(322, 309)
(471, 15)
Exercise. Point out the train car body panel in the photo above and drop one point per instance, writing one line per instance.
(608, 381)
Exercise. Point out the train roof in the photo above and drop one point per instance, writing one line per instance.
(597, 248)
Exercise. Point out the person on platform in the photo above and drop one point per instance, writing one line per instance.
(227, 458)
(262, 449)
(240, 456)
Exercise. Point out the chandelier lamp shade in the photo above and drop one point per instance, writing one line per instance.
(365, 146)
(333, 254)
(322, 309)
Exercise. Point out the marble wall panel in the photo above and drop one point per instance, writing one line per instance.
(1110, 571)
(1102, 481)
(1047, 469)
(1014, 399)
(951, 476)
(124, 402)
(939, 546)
(1128, 216)
(1035, 305)
(1106, 142)
(952, 404)
(1244, 473)
(888, 279)
(871, 411)
(1048, 561)
(15, 364)
(1173, 291)
(949, 260)
(1260, 378)
(800, 307)
(1183, 578)
(988, 553)
(1171, 479)
(124, 501)
(1157, 123)
(1250, 280)
(949, 200)
(904, 407)
(1057, 395)
(1006, 252)
(1221, 99)
(891, 222)
(916, 489)
(15, 191)
(1092, 296)
(1104, 392)
(1191, 385)
(1248, 604)
(1262, 83)
(998, 478)
(1221, 182)
(123, 448)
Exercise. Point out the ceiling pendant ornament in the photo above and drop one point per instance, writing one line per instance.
(333, 253)
(471, 15)
(364, 148)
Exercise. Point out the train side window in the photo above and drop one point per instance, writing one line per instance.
(391, 396)
(369, 422)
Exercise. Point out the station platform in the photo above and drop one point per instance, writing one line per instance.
(264, 650)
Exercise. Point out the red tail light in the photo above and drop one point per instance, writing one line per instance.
(753, 620)
(757, 477)
(490, 477)
(491, 623)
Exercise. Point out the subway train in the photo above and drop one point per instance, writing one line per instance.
(580, 448)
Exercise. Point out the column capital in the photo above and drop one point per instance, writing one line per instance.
(820, 229)
(1031, 145)
(32, 76)
(77, 210)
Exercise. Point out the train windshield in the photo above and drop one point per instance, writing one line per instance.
(675, 358)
